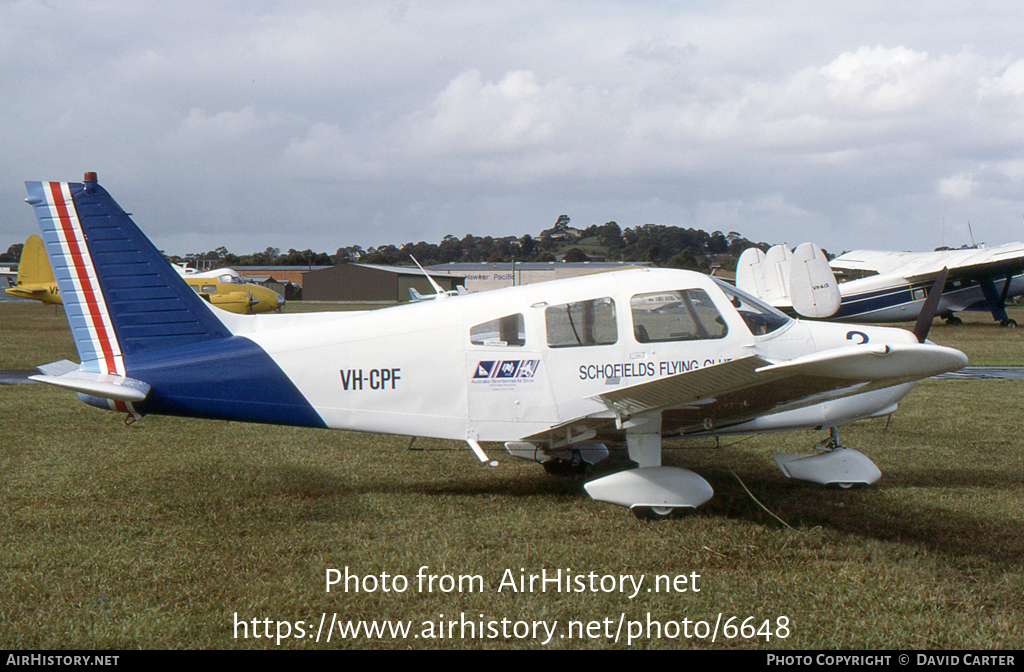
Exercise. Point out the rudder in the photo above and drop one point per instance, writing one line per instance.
(120, 295)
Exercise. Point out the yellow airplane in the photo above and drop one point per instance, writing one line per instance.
(35, 278)
(227, 290)
(223, 287)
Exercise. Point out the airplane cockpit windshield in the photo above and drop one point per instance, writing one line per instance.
(760, 317)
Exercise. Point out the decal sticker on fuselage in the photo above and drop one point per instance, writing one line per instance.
(506, 373)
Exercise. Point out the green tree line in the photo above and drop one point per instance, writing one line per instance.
(659, 244)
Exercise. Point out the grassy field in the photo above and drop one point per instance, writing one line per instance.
(165, 533)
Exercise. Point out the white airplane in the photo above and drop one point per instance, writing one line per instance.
(883, 286)
(547, 369)
(439, 292)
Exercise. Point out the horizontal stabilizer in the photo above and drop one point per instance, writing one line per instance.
(103, 385)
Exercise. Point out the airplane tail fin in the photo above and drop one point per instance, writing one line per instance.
(750, 272)
(120, 295)
(34, 268)
(801, 279)
(813, 288)
(765, 276)
(148, 343)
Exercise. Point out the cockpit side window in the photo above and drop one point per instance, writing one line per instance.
(681, 315)
(582, 323)
(761, 318)
(509, 330)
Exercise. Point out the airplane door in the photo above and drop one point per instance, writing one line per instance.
(508, 382)
(583, 353)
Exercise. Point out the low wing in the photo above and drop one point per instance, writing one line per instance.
(742, 389)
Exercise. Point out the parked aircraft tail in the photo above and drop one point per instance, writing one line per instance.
(35, 279)
(143, 335)
(801, 279)
(121, 296)
(33, 268)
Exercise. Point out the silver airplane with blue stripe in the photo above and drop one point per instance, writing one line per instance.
(884, 286)
(548, 372)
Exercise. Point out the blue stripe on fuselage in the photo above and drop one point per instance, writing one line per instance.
(226, 378)
(892, 297)
(871, 301)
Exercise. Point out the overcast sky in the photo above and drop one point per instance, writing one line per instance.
(319, 125)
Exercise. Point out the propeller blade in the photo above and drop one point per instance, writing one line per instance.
(931, 304)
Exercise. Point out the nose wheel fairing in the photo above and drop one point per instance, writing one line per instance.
(842, 466)
(833, 465)
(652, 488)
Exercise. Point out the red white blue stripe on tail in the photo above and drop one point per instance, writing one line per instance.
(147, 342)
(75, 274)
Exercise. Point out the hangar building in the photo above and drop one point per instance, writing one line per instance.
(480, 277)
(371, 282)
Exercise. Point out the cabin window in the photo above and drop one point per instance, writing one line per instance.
(759, 317)
(209, 289)
(504, 331)
(682, 315)
(582, 323)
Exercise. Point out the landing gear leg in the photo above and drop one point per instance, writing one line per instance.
(997, 301)
(652, 492)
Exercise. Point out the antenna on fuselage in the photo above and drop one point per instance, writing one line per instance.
(437, 288)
